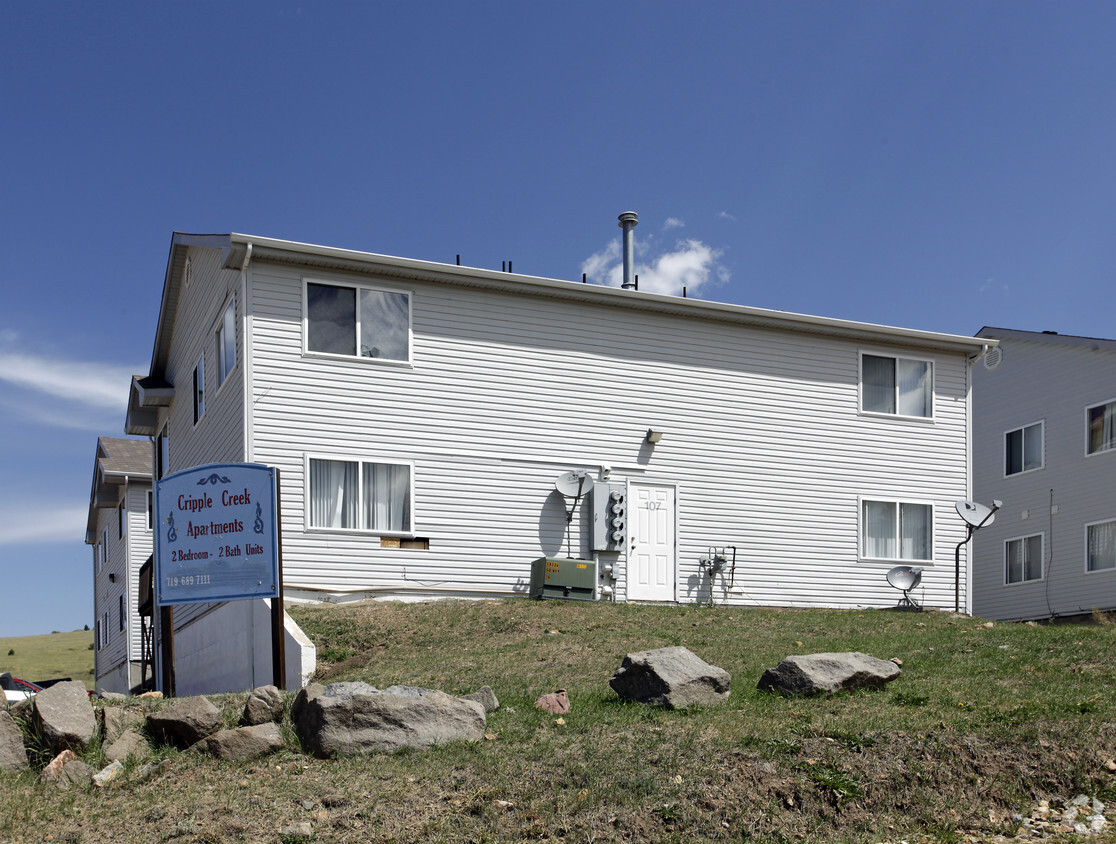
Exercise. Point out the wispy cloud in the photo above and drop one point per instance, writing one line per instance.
(42, 524)
(991, 285)
(689, 264)
(725, 215)
(673, 223)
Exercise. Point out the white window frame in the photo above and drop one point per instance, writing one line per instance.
(1089, 525)
(105, 631)
(862, 530)
(878, 414)
(199, 390)
(1021, 430)
(1104, 449)
(308, 352)
(150, 509)
(360, 461)
(121, 608)
(122, 518)
(162, 452)
(1042, 559)
(104, 550)
(226, 329)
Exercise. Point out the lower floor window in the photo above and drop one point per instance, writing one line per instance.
(360, 495)
(1101, 546)
(1023, 559)
(896, 530)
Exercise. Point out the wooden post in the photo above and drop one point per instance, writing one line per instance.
(278, 644)
(166, 648)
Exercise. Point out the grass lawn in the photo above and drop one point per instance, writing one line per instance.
(49, 656)
(983, 722)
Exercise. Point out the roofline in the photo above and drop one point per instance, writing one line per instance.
(239, 248)
(1046, 337)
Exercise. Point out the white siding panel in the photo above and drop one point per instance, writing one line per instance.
(762, 436)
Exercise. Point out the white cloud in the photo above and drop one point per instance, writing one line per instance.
(725, 215)
(673, 223)
(42, 524)
(92, 384)
(690, 264)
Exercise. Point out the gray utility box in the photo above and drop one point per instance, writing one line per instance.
(563, 577)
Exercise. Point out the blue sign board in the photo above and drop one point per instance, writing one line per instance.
(217, 535)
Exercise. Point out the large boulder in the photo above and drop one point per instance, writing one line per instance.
(827, 673)
(244, 742)
(63, 716)
(117, 720)
(264, 704)
(13, 755)
(671, 677)
(346, 719)
(185, 723)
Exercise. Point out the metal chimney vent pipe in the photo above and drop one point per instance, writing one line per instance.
(628, 221)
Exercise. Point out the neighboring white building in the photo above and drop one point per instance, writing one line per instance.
(1044, 416)
(119, 529)
(421, 412)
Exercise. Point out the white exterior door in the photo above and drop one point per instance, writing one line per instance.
(651, 561)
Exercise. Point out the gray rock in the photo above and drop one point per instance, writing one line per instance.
(671, 677)
(75, 773)
(128, 743)
(245, 742)
(264, 704)
(117, 720)
(107, 774)
(485, 697)
(185, 723)
(111, 696)
(349, 719)
(827, 673)
(13, 755)
(63, 716)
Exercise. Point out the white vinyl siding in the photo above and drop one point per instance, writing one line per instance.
(1023, 449)
(1100, 542)
(762, 437)
(1023, 559)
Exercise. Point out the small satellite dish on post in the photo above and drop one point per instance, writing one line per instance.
(975, 513)
(906, 579)
(976, 516)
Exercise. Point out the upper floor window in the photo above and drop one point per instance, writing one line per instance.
(226, 343)
(1023, 449)
(121, 610)
(122, 520)
(896, 530)
(1023, 559)
(1101, 542)
(896, 386)
(1102, 427)
(150, 509)
(358, 321)
(162, 453)
(359, 495)
(199, 389)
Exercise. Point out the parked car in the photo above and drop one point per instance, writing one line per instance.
(16, 689)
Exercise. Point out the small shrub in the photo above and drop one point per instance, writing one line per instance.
(90, 646)
(11, 651)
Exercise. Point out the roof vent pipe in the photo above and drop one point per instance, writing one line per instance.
(628, 221)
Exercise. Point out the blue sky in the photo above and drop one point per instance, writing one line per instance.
(932, 165)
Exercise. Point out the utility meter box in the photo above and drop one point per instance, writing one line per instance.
(563, 577)
(610, 516)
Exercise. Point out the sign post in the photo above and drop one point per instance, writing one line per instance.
(218, 539)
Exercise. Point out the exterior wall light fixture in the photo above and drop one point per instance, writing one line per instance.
(653, 436)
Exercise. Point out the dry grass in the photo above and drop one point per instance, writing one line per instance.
(49, 656)
(982, 723)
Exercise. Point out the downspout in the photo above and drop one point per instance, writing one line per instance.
(971, 361)
(246, 374)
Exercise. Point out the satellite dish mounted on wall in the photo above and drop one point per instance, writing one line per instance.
(573, 485)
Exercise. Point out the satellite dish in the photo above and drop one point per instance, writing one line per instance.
(574, 484)
(975, 513)
(906, 579)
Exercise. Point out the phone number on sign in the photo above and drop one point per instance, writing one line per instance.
(188, 580)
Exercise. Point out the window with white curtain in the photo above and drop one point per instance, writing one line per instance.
(1023, 559)
(360, 495)
(896, 386)
(1023, 449)
(1101, 546)
(358, 322)
(896, 530)
(1102, 427)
